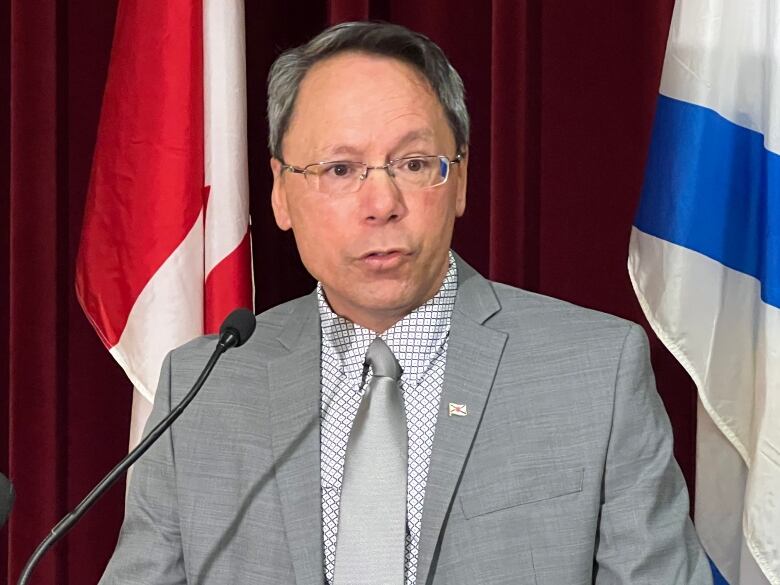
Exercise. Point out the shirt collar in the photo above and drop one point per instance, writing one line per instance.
(414, 339)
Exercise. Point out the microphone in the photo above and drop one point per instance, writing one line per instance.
(6, 498)
(236, 329)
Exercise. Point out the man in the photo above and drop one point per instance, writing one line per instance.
(534, 448)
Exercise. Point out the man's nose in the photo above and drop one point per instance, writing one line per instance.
(381, 199)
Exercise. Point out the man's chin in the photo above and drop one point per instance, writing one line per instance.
(390, 306)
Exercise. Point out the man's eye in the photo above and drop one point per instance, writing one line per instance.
(339, 170)
(415, 165)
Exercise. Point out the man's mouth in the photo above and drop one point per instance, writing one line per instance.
(386, 258)
(384, 253)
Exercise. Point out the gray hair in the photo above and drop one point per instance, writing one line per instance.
(389, 40)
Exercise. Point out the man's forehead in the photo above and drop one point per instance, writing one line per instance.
(351, 99)
(349, 60)
(410, 138)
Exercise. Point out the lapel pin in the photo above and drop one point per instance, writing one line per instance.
(458, 409)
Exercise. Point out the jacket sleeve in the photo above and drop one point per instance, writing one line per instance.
(645, 535)
(149, 549)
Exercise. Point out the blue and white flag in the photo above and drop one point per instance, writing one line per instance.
(705, 264)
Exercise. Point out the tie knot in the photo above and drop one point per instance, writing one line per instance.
(382, 361)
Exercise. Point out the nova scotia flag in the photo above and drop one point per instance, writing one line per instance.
(705, 264)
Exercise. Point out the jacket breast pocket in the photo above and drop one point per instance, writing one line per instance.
(498, 491)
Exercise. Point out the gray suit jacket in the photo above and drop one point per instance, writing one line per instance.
(561, 474)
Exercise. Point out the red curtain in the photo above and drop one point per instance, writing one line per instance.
(561, 95)
(66, 405)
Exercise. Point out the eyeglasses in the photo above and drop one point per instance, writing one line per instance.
(409, 173)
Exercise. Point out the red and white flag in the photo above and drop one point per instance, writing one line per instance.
(165, 250)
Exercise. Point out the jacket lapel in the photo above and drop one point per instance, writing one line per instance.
(294, 382)
(473, 354)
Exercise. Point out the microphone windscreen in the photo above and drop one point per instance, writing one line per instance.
(6, 498)
(242, 322)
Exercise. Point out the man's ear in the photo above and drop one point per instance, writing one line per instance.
(279, 197)
(462, 176)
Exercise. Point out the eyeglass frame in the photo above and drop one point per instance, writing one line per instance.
(386, 167)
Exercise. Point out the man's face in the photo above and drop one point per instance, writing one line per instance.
(380, 252)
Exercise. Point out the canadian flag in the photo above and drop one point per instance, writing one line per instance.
(165, 249)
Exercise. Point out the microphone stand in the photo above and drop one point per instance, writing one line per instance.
(228, 339)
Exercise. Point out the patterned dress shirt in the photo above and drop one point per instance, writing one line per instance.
(419, 342)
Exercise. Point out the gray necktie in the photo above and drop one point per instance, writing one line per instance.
(372, 519)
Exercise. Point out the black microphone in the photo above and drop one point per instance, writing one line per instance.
(6, 498)
(236, 329)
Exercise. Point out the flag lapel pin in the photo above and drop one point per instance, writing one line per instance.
(458, 409)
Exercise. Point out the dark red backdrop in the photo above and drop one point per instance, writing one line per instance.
(561, 96)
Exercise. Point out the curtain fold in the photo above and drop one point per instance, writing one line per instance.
(561, 97)
(67, 406)
(35, 405)
(347, 10)
(515, 107)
